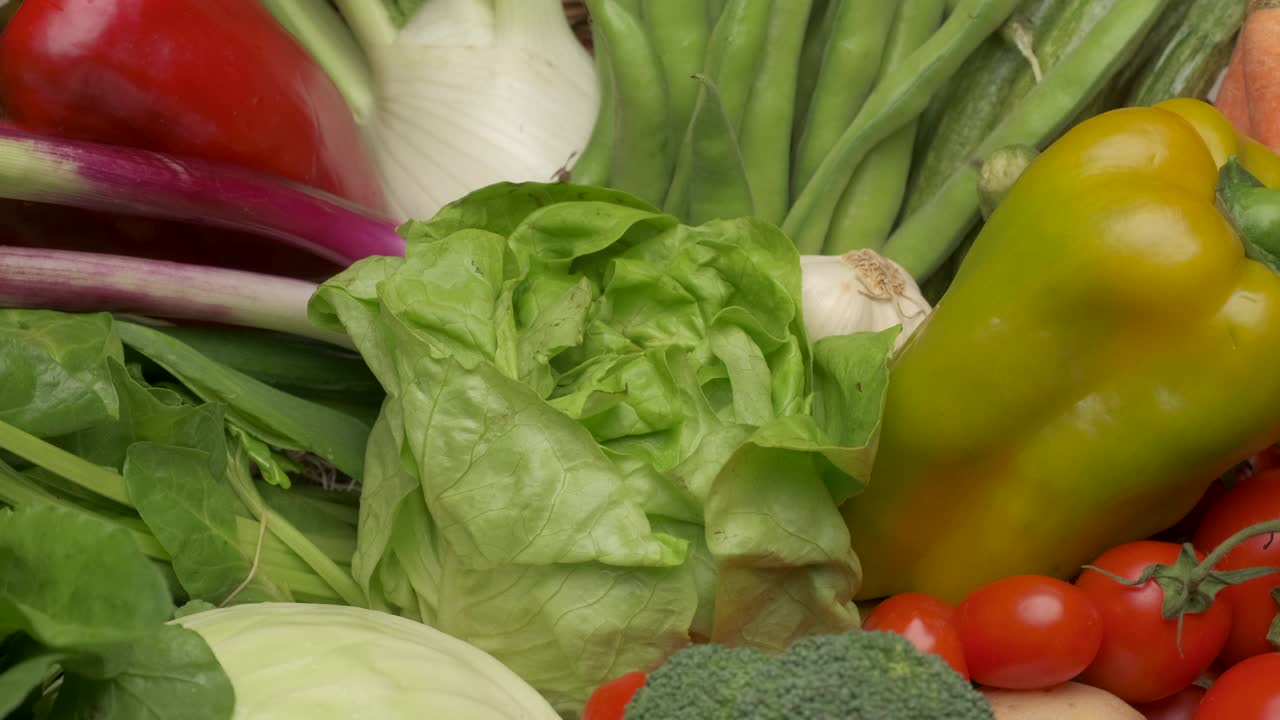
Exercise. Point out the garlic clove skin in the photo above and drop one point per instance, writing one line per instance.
(859, 291)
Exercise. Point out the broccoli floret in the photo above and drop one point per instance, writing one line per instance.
(860, 675)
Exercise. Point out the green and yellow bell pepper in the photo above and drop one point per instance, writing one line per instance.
(1104, 353)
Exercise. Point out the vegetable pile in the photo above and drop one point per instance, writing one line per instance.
(856, 126)
(631, 359)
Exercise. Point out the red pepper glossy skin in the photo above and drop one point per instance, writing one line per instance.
(216, 79)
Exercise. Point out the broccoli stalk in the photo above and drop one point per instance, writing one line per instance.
(861, 675)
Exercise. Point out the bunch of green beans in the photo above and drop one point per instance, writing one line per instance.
(849, 123)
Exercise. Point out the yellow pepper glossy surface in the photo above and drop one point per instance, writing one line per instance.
(1104, 353)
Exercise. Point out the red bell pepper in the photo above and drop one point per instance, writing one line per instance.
(215, 79)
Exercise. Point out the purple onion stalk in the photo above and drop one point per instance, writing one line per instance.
(91, 282)
(129, 181)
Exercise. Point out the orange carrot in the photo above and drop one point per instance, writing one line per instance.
(1232, 100)
(1260, 41)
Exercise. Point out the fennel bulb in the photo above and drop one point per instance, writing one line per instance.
(291, 661)
(454, 95)
(859, 291)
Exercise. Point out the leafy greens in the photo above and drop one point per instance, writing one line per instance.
(605, 434)
(104, 633)
(165, 455)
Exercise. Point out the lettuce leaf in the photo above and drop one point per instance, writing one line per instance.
(605, 434)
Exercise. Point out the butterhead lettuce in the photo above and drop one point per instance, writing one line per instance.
(605, 434)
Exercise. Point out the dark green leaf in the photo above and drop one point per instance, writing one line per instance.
(21, 678)
(73, 581)
(55, 370)
(154, 415)
(193, 515)
(277, 418)
(299, 366)
(273, 466)
(194, 607)
(169, 673)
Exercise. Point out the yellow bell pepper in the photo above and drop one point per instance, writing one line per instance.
(1104, 353)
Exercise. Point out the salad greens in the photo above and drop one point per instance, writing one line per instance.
(160, 443)
(104, 632)
(605, 434)
(584, 435)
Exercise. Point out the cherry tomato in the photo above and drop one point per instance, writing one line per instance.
(1181, 705)
(1027, 631)
(1139, 659)
(609, 701)
(1252, 608)
(1248, 691)
(926, 621)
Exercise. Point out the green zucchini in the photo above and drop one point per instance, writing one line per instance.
(1192, 59)
(1114, 94)
(977, 99)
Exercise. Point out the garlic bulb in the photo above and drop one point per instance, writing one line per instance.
(859, 291)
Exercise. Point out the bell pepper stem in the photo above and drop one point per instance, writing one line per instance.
(1253, 210)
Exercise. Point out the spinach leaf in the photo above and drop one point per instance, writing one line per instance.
(71, 580)
(193, 515)
(55, 368)
(299, 366)
(150, 414)
(169, 673)
(23, 677)
(277, 418)
(77, 595)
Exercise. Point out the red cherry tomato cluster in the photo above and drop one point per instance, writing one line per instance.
(1031, 631)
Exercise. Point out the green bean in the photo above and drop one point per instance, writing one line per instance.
(679, 30)
(1061, 37)
(714, 9)
(870, 204)
(765, 136)
(709, 179)
(895, 102)
(734, 54)
(928, 237)
(641, 163)
(676, 201)
(981, 94)
(850, 64)
(816, 37)
(719, 187)
(592, 167)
